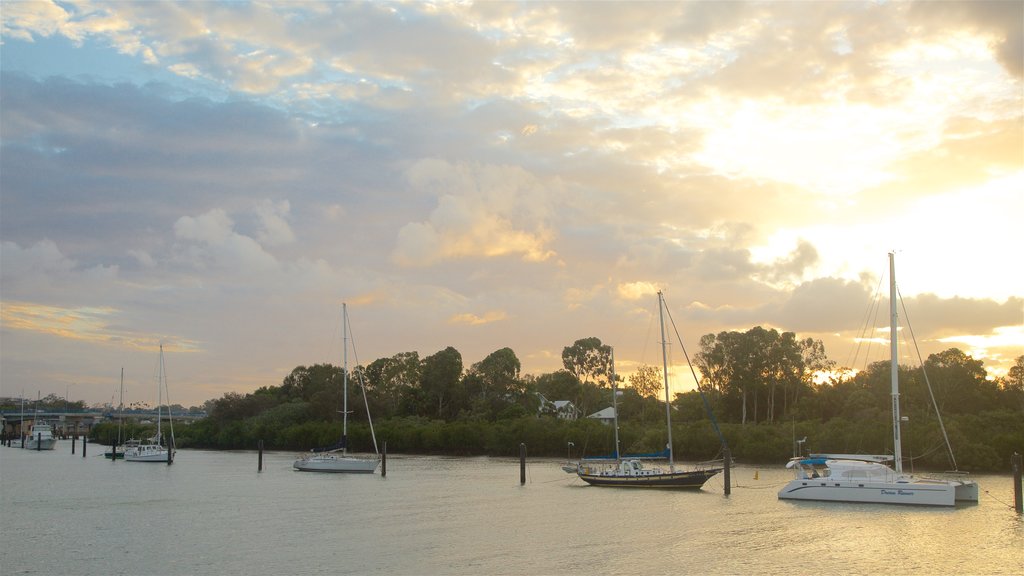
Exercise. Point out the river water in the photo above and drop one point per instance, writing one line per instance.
(213, 513)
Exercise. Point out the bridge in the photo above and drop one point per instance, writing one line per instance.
(75, 422)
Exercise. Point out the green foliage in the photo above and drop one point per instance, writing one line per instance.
(431, 406)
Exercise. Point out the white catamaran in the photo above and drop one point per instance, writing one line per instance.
(335, 458)
(867, 478)
(154, 450)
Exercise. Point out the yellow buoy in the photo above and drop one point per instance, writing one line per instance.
(756, 472)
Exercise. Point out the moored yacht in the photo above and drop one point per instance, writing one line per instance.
(867, 478)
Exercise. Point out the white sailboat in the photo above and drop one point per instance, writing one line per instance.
(867, 478)
(154, 450)
(633, 471)
(113, 454)
(336, 458)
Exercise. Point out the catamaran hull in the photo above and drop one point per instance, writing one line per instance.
(338, 464)
(910, 493)
(692, 479)
(966, 491)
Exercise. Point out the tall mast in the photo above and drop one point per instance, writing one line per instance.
(159, 394)
(894, 366)
(615, 406)
(664, 367)
(344, 376)
(120, 411)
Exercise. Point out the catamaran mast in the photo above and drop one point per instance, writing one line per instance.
(664, 367)
(894, 367)
(344, 376)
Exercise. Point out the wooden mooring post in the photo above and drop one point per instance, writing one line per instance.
(522, 463)
(259, 468)
(1018, 498)
(84, 439)
(384, 462)
(727, 455)
(74, 440)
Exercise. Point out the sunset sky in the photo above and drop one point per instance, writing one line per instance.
(220, 177)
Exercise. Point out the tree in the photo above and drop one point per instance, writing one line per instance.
(1013, 383)
(560, 385)
(440, 377)
(499, 373)
(647, 383)
(590, 362)
(959, 383)
(392, 378)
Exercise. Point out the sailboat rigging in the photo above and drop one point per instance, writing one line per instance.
(867, 477)
(113, 454)
(154, 450)
(631, 471)
(336, 458)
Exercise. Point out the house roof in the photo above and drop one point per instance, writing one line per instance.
(606, 414)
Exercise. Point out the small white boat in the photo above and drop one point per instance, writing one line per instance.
(336, 462)
(151, 451)
(336, 458)
(154, 450)
(865, 477)
(40, 437)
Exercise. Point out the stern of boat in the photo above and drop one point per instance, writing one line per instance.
(966, 491)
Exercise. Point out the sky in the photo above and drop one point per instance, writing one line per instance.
(218, 177)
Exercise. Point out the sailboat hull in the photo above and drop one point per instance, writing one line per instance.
(146, 454)
(693, 479)
(333, 463)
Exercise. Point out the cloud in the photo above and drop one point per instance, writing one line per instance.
(636, 290)
(481, 212)
(474, 320)
(544, 160)
(212, 241)
(42, 273)
(273, 219)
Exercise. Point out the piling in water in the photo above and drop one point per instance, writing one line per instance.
(84, 438)
(1018, 499)
(522, 463)
(74, 440)
(726, 472)
(259, 468)
(384, 462)
(39, 441)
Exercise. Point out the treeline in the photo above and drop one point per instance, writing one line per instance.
(765, 389)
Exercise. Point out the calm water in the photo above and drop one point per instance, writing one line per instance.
(212, 513)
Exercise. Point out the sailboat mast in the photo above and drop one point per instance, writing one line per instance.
(615, 406)
(159, 395)
(664, 367)
(344, 376)
(120, 410)
(894, 366)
